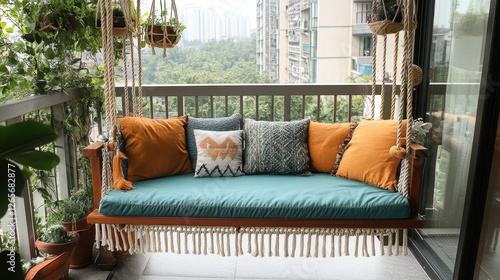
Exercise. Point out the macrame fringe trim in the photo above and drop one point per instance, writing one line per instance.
(260, 241)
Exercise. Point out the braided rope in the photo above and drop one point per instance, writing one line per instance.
(405, 172)
(150, 21)
(125, 88)
(109, 86)
(395, 75)
(382, 92)
(139, 53)
(374, 75)
(125, 4)
(133, 91)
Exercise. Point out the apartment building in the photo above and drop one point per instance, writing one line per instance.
(316, 41)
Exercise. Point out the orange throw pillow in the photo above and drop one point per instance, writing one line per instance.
(324, 140)
(367, 158)
(155, 148)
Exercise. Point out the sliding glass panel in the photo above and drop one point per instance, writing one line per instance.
(456, 60)
(489, 251)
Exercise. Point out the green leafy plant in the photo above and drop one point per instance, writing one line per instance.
(72, 208)
(419, 131)
(162, 19)
(18, 146)
(57, 234)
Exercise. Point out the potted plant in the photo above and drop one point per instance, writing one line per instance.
(118, 19)
(56, 241)
(163, 32)
(386, 17)
(72, 214)
(120, 26)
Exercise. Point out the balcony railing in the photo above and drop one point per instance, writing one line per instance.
(281, 102)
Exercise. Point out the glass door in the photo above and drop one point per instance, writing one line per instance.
(458, 43)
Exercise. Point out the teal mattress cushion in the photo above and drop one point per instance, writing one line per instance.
(320, 196)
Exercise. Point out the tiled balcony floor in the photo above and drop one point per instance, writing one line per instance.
(185, 267)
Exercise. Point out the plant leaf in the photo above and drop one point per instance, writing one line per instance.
(37, 159)
(24, 136)
(18, 178)
(12, 181)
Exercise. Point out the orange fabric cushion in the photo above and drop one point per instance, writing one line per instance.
(155, 148)
(367, 158)
(324, 142)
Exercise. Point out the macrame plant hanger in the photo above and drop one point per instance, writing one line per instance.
(113, 177)
(403, 19)
(163, 28)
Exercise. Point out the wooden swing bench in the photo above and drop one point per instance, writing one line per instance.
(161, 214)
(177, 229)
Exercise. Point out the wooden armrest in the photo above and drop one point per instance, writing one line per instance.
(418, 154)
(93, 150)
(94, 153)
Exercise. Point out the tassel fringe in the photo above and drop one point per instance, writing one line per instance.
(312, 242)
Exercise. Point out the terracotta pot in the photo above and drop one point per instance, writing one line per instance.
(117, 22)
(58, 248)
(83, 254)
(155, 36)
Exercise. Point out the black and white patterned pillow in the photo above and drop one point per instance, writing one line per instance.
(219, 153)
(276, 147)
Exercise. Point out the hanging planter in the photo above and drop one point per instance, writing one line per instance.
(386, 17)
(163, 29)
(122, 21)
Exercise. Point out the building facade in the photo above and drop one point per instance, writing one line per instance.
(316, 41)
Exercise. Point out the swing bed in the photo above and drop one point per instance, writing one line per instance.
(199, 229)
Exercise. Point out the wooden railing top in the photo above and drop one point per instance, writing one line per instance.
(15, 108)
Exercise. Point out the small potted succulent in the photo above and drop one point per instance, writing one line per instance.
(56, 241)
(386, 17)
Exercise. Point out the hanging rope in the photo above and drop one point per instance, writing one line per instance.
(139, 53)
(409, 73)
(394, 75)
(382, 91)
(374, 76)
(126, 97)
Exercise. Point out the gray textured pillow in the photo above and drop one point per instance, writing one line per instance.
(276, 147)
(211, 124)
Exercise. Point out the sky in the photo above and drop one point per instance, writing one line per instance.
(243, 7)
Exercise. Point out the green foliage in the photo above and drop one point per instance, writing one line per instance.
(18, 143)
(213, 63)
(72, 208)
(57, 234)
(419, 131)
(8, 243)
(57, 35)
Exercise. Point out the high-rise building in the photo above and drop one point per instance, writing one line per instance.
(268, 37)
(316, 41)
